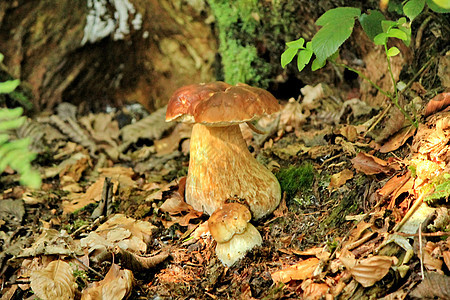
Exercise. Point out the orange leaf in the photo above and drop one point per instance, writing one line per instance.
(299, 271)
(438, 103)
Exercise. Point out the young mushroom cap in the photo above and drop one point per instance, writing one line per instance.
(220, 166)
(234, 235)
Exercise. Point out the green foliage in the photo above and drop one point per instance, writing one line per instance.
(15, 153)
(337, 26)
(442, 189)
(293, 179)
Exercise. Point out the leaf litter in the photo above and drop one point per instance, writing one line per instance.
(361, 228)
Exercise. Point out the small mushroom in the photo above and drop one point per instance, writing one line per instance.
(230, 227)
(220, 166)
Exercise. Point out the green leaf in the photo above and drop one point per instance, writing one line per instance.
(336, 15)
(401, 21)
(31, 179)
(388, 24)
(407, 31)
(1, 57)
(413, 8)
(11, 124)
(397, 33)
(304, 56)
(317, 64)
(380, 39)
(439, 6)
(328, 39)
(8, 86)
(287, 56)
(297, 44)
(10, 113)
(371, 23)
(393, 51)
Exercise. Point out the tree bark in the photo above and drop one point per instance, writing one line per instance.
(105, 51)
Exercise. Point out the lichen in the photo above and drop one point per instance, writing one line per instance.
(101, 22)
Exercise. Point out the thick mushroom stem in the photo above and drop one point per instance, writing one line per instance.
(221, 167)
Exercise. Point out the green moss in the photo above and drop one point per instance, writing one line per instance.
(294, 179)
(239, 33)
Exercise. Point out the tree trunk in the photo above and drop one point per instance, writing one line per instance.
(105, 51)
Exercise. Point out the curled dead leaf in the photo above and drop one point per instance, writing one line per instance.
(370, 165)
(117, 284)
(438, 103)
(54, 282)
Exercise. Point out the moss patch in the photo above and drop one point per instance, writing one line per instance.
(295, 179)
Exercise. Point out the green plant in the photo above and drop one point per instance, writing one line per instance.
(336, 27)
(442, 189)
(15, 153)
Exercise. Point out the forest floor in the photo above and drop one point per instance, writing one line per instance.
(361, 217)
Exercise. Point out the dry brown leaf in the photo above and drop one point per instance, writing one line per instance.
(54, 282)
(127, 233)
(318, 252)
(313, 290)
(151, 127)
(370, 165)
(370, 270)
(292, 116)
(446, 257)
(93, 194)
(172, 142)
(438, 103)
(349, 132)
(434, 285)
(139, 263)
(299, 271)
(398, 139)
(175, 205)
(339, 179)
(117, 284)
(122, 175)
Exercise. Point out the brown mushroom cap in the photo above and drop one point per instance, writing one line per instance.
(218, 104)
(230, 219)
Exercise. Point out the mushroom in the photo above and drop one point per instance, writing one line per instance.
(220, 166)
(233, 233)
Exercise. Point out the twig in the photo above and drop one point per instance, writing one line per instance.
(89, 268)
(380, 117)
(420, 32)
(421, 252)
(433, 234)
(424, 67)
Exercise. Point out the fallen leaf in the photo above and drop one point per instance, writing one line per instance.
(299, 271)
(438, 103)
(370, 270)
(314, 291)
(339, 179)
(292, 116)
(151, 127)
(398, 139)
(311, 93)
(175, 204)
(434, 285)
(370, 165)
(349, 132)
(117, 284)
(172, 142)
(54, 282)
